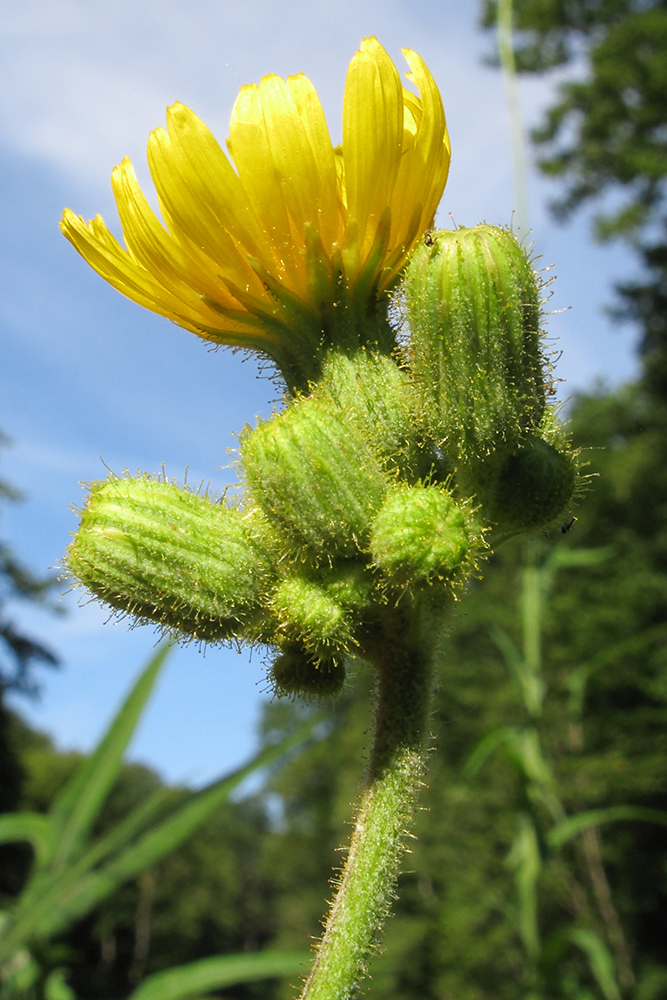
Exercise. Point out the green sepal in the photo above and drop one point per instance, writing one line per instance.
(164, 554)
(472, 303)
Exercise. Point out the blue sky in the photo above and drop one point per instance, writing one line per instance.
(89, 378)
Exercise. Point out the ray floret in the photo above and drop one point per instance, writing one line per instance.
(284, 245)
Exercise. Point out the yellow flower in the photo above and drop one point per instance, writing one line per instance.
(292, 251)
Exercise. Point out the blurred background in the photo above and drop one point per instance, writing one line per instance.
(91, 382)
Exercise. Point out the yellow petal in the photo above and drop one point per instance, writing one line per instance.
(201, 196)
(321, 160)
(259, 173)
(372, 137)
(158, 252)
(428, 164)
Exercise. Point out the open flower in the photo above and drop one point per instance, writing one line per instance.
(291, 252)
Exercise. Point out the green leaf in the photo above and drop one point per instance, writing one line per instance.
(76, 807)
(200, 977)
(487, 746)
(35, 829)
(525, 860)
(56, 901)
(574, 825)
(56, 987)
(126, 830)
(600, 961)
(529, 680)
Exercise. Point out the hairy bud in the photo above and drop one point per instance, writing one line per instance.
(372, 392)
(305, 611)
(315, 478)
(422, 535)
(297, 672)
(473, 307)
(166, 555)
(534, 486)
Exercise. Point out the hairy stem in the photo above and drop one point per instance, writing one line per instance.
(403, 660)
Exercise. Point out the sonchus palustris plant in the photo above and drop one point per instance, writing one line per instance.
(401, 454)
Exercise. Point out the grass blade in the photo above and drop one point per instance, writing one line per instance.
(208, 974)
(75, 809)
(31, 827)
(574, 825)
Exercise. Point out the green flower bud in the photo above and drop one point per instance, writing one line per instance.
(296, 672)
(351, 584)
(534, 486)
(306, 612)
(472, 302)
(165, 555)
(315, 478)
(371, 391)
(422, 535)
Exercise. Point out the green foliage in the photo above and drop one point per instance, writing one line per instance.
(209, 974)
(73, 873)
(19, 653)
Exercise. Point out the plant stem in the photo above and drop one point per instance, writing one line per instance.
(403, 657)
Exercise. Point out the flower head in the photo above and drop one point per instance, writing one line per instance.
(291, 252)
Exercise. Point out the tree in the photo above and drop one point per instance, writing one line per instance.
(605, 138)
(20, 655)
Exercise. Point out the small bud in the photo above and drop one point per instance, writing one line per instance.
(165, 555)
(351, 584)
(422, 535)
(534, 486)
(314, 477)
(306, 612)
(472, 302)
(295, 672)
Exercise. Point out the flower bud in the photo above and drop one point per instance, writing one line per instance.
(534, 486)
(165, 555)
(371, 391)
(296, 672)
(422, 535)
(472, 302)
(315, 478)
(306, 612)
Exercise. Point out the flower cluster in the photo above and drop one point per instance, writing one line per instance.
(372, 494)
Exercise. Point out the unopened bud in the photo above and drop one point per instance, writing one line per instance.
(305, 611)
(534, 486)
(472, 301)
(371, 391)
(315, 478)
(169, 556)
(296, 672)
(421, 535)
